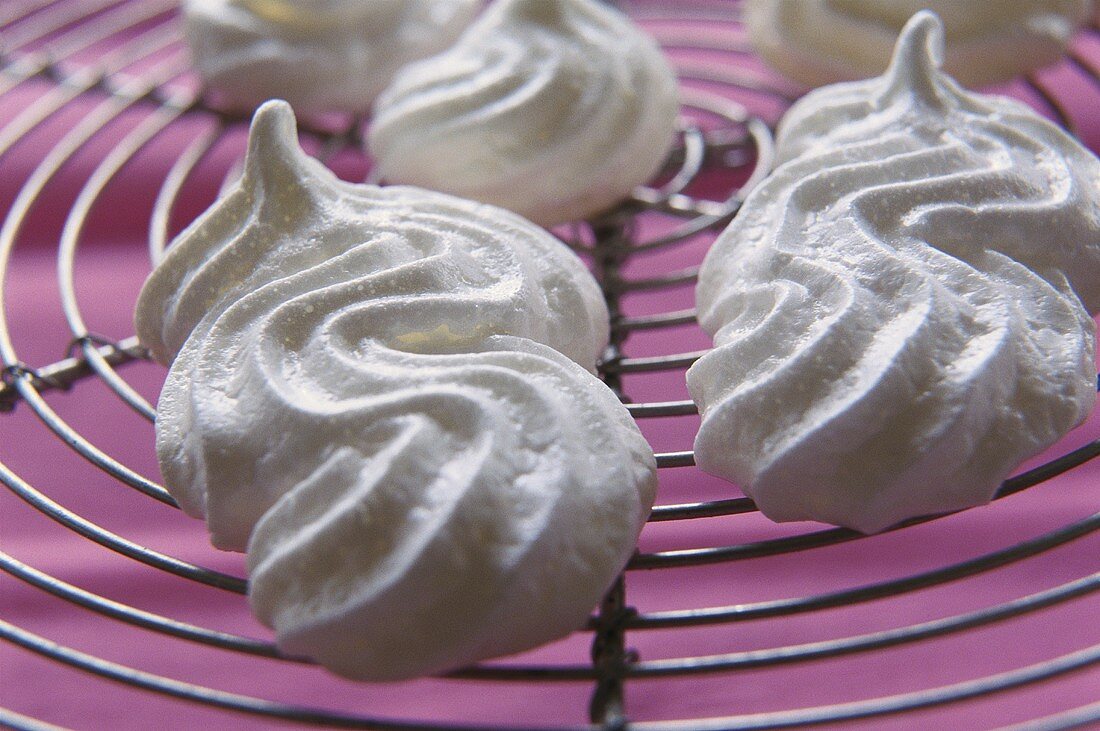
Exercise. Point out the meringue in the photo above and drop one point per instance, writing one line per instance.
(320, 55)
(988, 41)
(391, 390)
(554, 109)
(899, 311)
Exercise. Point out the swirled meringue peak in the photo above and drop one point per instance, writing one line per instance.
(320, 55)
(897, 311)
(555, 109)
(390, 389)
(988, 41)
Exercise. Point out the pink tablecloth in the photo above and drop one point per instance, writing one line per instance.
(111, 264)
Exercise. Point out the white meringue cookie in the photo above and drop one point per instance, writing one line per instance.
(819, 42)
(320, 55)
(390, 382)
(555, 109)
(897, 310)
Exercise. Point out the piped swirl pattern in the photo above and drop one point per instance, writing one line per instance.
(554, 109)
(386, 394)
(901, 311)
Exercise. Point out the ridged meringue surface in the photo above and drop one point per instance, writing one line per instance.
(819, 42)
(393, 386)
(555, 109)
(897, 310)
(320, 55)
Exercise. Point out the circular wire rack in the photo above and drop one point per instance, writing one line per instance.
(106, 81)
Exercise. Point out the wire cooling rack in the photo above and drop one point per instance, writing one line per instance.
(91, 86)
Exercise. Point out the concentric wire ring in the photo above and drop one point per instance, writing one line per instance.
(718, 135)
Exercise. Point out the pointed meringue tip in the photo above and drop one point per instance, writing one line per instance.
(918, 56)
(272, 140)
(273, 117)
(920, 43)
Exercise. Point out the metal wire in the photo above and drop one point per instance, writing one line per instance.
(1077, 718)
(894, 704)
(624, 620)
(55, 30)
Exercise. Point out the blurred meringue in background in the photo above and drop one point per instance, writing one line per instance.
(320, 55)
(817, 42)
(554, 109)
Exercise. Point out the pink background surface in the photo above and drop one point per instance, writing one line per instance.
(111, 264)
